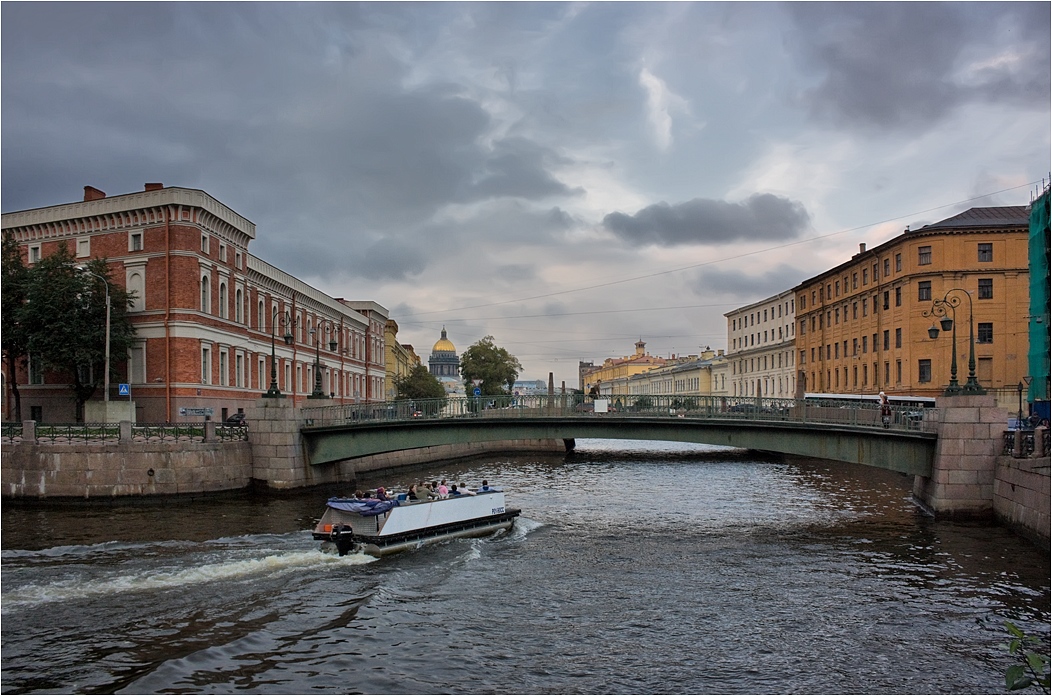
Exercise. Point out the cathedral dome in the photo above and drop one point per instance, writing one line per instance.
(444, 345)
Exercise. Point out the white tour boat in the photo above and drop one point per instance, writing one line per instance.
(380, 527)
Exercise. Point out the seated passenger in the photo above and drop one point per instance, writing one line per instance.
(414, 494)
(443, 490)
(485, 487)
(453, 491)
(381, 494)
(464, 490)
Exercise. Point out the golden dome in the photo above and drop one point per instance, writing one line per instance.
(444, 344)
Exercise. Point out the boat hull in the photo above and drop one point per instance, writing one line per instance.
(413, 525)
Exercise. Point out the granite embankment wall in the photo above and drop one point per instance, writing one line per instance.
(102, 471)
(1022, 494)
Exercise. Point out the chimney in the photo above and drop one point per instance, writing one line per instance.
(93, 194)
(153, 187)
(862, 247)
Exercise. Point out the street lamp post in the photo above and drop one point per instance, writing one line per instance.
(947, 309)
(316, 334)
(286, 321)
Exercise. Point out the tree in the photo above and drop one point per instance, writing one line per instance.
(12, 332)
(419, 383)
(497, 369)
(64, 318)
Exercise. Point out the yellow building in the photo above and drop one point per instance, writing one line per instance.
(619, 369)
(400, 358)
(690, 376)
(863, 326)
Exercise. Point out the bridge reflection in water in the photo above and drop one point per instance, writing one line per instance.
(843, 431)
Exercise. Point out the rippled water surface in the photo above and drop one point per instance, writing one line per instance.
(635, 567)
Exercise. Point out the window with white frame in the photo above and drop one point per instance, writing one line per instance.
(206, 364)
(261, 320)
(135, 241)
(206, 294)
(222, 300)
(261, 373)
(222, 251)
(34, 253)
(204, 243)
(137, 364)
(83, 247)
(237, 260)
(136, 285)
(239, 301)
(239, 370)
(224, 367)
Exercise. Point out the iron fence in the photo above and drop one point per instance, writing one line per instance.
(626, 406)
(77, 433)
(11, 432)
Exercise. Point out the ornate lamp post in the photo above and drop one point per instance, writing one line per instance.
(316, 334)
(947, 309)
(285, 320)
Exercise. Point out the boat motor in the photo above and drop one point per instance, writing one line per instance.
(343, 536)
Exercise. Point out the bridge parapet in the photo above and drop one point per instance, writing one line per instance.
(574, 406)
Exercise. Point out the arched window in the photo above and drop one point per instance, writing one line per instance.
(222, 300)
(138, 287)
(206, 295)
(239, 299)
(261, 320)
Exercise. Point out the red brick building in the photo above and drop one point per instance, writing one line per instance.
(206, 311)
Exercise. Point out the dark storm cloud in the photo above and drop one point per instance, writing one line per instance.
(747, 288)
(890, 65)
(761, 217)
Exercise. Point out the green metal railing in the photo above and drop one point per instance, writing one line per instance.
(81, 433)
(625, 406)
(77, 433)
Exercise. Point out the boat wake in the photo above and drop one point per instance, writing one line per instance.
(76, 588)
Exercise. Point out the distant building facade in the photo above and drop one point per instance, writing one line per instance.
(400, 358)
(207, 313)
(614, 372)
(862, 327)
(761, 348)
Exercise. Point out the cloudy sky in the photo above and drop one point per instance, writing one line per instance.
(566, 177)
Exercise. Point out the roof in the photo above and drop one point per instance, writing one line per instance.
(983, 217)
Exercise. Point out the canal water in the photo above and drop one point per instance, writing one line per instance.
(634, 568)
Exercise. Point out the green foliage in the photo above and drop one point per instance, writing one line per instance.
(64, 320)
(419, 384)
(12, 332)
(1031, 668)
(497, 369)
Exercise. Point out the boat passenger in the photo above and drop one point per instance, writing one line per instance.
(453, 491)
(358, 494)
(381, 494)
(413, 493)
(464, 490)
(443, 489)
(485, 487)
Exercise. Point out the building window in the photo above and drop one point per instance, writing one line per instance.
(206, 295)
(865, 344)
(239, 303)
(83, 247)
(261, 319)
(206, 365)
(887, 372)
(986, 252)
(898, 338)
(865, 276)
(898, 372)
(222, 300)
(898, 297)
(137, 364)
(924, 291)
(34, 254)
(984, 332)
(237, 260)
(36, 375)
(136, 287)
(239, 370)
(204, 243)
(887, 339)
(865, 308)
(222, 252)
(887, 267)
(224, 368)
(854, 346)
(854, 281)
(898, 263)
(924, 256)
(887, 299)
(986, 288)
(924, 370)
(135, 241)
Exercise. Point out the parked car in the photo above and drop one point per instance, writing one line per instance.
(235, 419)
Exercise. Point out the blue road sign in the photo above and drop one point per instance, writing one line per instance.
(123, 390)
(478, 392)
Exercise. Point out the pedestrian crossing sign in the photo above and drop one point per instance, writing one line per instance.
(123, 390)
